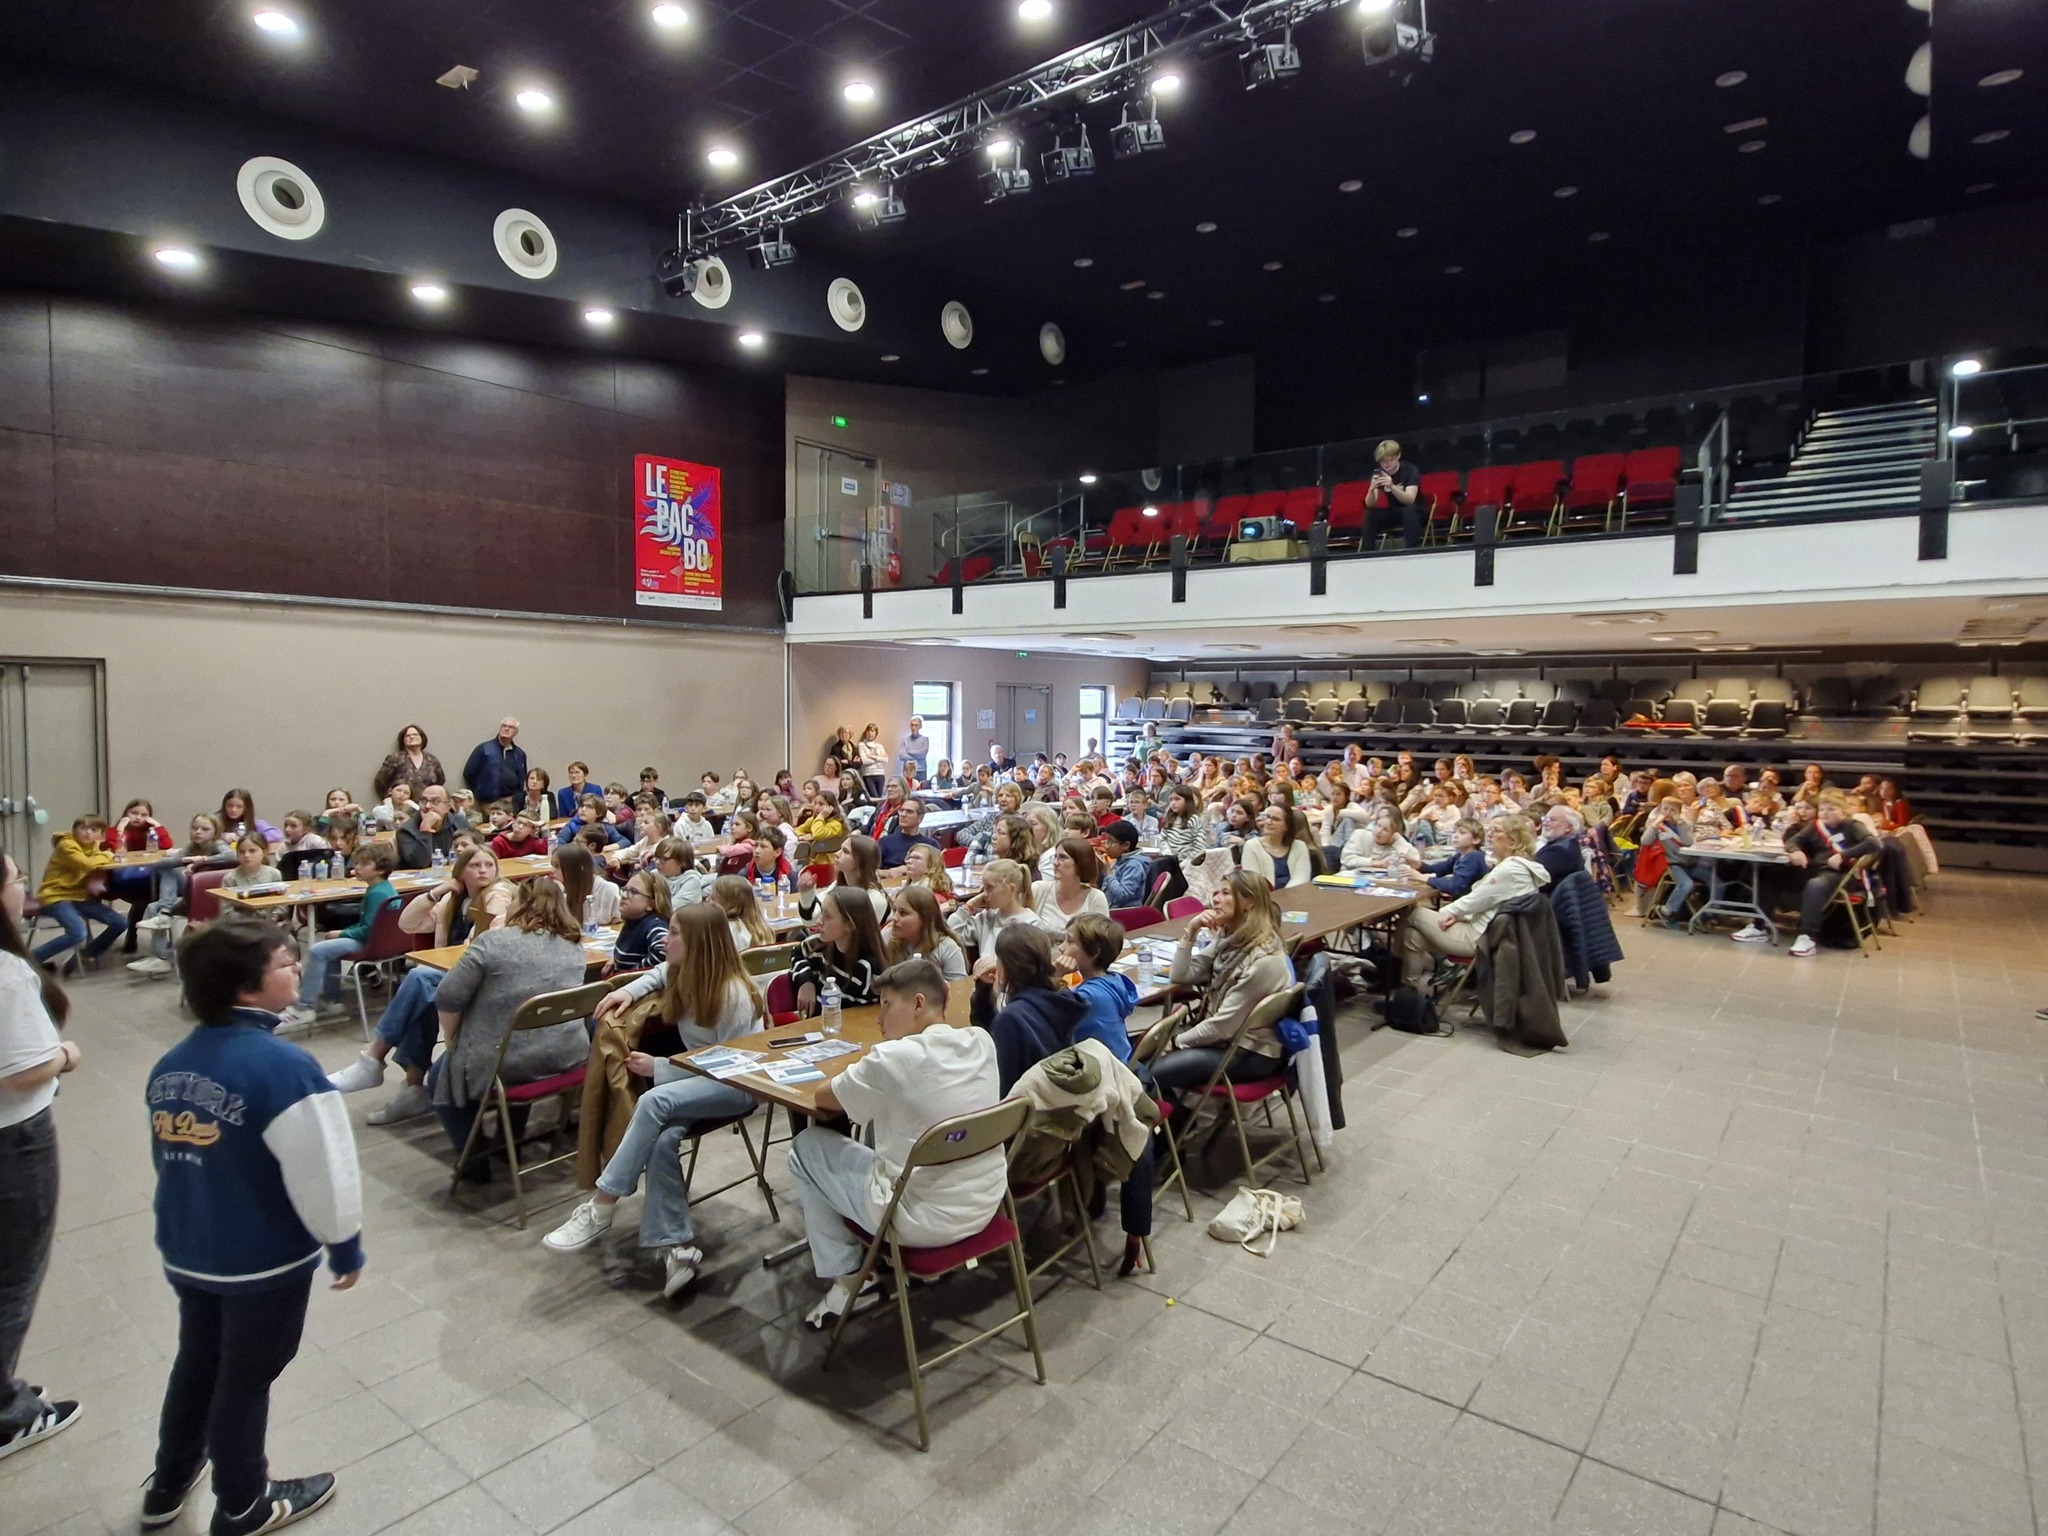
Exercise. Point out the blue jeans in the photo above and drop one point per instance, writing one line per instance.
(323, 970)
(411, 1025)
(832, 1173)
(653, 1144)
(1682, 881)
(71, 917)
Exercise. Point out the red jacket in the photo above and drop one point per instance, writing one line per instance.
(505, 848)
(136, 837)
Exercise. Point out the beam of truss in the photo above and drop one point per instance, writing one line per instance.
(1108, 68)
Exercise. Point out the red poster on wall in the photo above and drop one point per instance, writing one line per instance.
(678, 534)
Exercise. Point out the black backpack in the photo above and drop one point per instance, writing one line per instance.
(1414, 1013)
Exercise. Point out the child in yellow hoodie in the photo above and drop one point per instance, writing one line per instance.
(73, 891)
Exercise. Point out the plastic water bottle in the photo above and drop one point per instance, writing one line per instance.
(440, 859)
(829, 1016)
(334, 867)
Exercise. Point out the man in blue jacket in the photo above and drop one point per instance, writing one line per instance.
(496, 769)
(256, 1177)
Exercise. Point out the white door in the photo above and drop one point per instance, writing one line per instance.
(52, 755)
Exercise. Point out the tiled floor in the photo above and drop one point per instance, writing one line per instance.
(1767, 1249)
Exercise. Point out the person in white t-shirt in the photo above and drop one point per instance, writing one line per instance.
(924, 1071)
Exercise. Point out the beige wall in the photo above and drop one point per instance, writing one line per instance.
(833, 685)
(288, 700)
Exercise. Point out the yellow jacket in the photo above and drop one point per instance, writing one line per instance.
(64, 877)
(822, 826)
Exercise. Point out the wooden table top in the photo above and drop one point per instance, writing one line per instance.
(142, 858)
(1329, 909)
(861, 1026)
(407, 882)
(597, 953)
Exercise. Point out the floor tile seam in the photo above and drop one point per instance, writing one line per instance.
(1884, 1329)
(2019, 1409)
(473, 1482)
(1635, 1337)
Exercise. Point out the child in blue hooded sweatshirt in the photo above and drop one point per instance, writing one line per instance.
(1093, 945)
(256, 1178)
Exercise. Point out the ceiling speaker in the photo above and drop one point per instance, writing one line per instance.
(714, 283)
(1052, 345)
(524, 244)
(849, 309)
(281, 198)
(957, 325)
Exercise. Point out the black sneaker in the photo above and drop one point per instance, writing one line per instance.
(285, 1500)
(53, 1420)
(163, 1502)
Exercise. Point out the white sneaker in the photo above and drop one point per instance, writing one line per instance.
(680, 1263)
(150, 966)
(838, 1299)
(296, 1020)
(1755, 933)
(409, 1103)
(366, 1071)
(157, 923)
(1802, 947)
(586, 1224)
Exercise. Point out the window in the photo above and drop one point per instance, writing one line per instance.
(1094, 720)
(934, 702)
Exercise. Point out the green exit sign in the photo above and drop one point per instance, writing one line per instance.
(839, 421)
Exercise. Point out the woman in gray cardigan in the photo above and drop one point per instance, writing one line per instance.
(540, 949)
(1247, 965)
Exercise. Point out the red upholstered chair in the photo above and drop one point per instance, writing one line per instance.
(1186, 518)
(1148, 1048)
(950, 1141)
(1282, 1086)
(954, 856)
(202, 901)
(1268, 506)
(542, 1012)
(385, 950)
(1134, 918)
(1221, 526)
(1302, 505)
(1183, 906)
(1347, 511)
(1442, 503)
(1650, 482)
(1594, 495)
(1538, 493)
(781, 1000)
(1488, 491)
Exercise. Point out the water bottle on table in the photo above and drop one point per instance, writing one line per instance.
(831, 1015)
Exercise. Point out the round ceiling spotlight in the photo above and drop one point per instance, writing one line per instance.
(1452, 270)
(1167, 84)
(433, 295)
(1961, 430)
(1598, 235)
(714, 282)
(956, 325)
(892, 357)
(1406, 232)
(599, 319)
(1992, 136)
(1769, 198)
(1566, 192)
(1522, 136)
(848, 308)
(1731, 78)
(275, 23)
(753, 341)
(1966, 367)
(1034, 11)
(858, 93)
(1751, 147)
(1215, 322)
(1352, 185)
(1052, 344)
(1084, 261)
(1977, 187)
(1920, 70)
(978, 372)
(533, 101)
(670, 17)
(525, 244)
(721, 157)
(1156, 293)
(177, 258)
(1269, 266)
(2000, 77)
(1206, 227)
(1920, 137)
(1326, 298)
(280, 198)
(1133, 285)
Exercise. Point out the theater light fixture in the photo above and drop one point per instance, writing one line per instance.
(1271, 63)
(858, 93)
(772, 250)
(1150, 510)
(433, 295)
(1071, 154)
(534, 101)
(1961, 430)
(599, 319)
(2000, 77)
(1964, 367)
(177, 258)
(1034, 11)
(1167, 84)
(276, 23)
(722, 157)
(1088, 478)
(1000, 180)
(670, 17)
(751, 340)
(1137, 135)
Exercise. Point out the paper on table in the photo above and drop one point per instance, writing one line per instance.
(824, 1050)
(723, 1062)
(784, 1073)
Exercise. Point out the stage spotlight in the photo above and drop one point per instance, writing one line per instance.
(1001, 181)
(1067, 160)
(1390, 33)
(878, 204)
(1965, 367)
(1271, 62)
(771, 251)
(1136, 135)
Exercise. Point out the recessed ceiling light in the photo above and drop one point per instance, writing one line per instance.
(1961, 430)
(978, 372)
(1976, 187)
(1215, 322)
(866, 197)
(858, 92)
(1156, 294)
(1133, 285)
(1597, 236)
(1167, 84)
(176, 257)
(1406, 232)
(751, 339)
(2001, 77)
(1769, 198)
(429, 293)
(1269, 266)
(1751, 147)
(276, 23)
(1034, 10)
(1452, 271)
(721, 157)
(1731, 78)
(892, 357)
(1427, 642)
(1730, 645)
(1522, 136)
(1087, 479)
(1645, 617)
(1566, 192)
(534, 100)
(1686, 636)
(1746, 125)
(1326, 298)
(1423, 398)
(1084, 261)
(1992, 136)
(670, 16)
(1964, 367)
(1206, 227)
(600, 318)
(1353, 185)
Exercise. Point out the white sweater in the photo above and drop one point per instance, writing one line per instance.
(1052, 919)
(1361, 852)
(1511, 877)
(1258, 859)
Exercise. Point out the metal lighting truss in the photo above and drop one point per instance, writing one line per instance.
(1109, 68)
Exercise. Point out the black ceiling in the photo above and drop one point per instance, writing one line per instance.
(1621, 94)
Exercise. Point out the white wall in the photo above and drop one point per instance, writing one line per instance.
(289, 700)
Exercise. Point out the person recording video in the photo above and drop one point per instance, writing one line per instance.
(1395, 492)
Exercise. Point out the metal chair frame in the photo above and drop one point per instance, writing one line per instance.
(1149, 1045)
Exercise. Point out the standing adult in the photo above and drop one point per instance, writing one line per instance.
(1394, 498)
(32, 1058)
(872, 763)
(496, 770)
(914, 751)
(409, 763)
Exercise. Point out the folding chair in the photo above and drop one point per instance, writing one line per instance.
(1183, 906)
(950, 1141)
(1266, 1013)
(1061, 1186)
(1855, 900)
(385, 948)
(767, 959)
(1130, 919)
(1149, 1045)
(542, 1012)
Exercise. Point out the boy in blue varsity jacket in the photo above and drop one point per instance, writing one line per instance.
(1465, 868)
(255, 1176)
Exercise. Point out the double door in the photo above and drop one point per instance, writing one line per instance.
(53, 763)
(1024, 716)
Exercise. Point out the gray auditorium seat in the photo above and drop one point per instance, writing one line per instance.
(1522, 715)
(1937, 710)
(1486, 714)
(1180, 711)
(1298, 689)
(1444, 688)
(1155, 706)
(1725, 717)
(1132, 708)
(1681, 712)
(1386, 712)
(1377, 690)
(1775, 690)
(1694, 690)
(1478, 688)
(1269, 709)
(1768, 717)
(1882, 696)
(1451, 714)
(1831, 696)
(1990, 698)
(1295, 709)
(2031, 698)
(1322, 688)
(1599, 717)
(1357, 711)
(1736, 688)
(1559, 715)
(1641, 708)
(1418, 712)
(1325, 711)
(1349, 688)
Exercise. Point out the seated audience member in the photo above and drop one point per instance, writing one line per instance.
(523, 839)
(497, 818)
(1004, 898)
(1183, 829)
(1102, 805)
(643, 924)
(733, 896)
(1559, 852)
(430, 830)
(1454, 930)
(724, 799)
(766, 862)
(1072, 889)
(592, 900)
(539, 950)
(924, 1071)
(394, 810)
(943, 776)
(339, 802)
(463, 803)
(707, 997)
(856, 865)
(203, 849)
(846, 949)
(772, 814)
(823, 818)
(1378, 846)
(895, 845)
(1668, 827)
(321, 983)
(1892, 809)
(1246, 965)
(650, 828)
(1279, 853)
(1138, 812)
(1596, 801)
(1393, 498)
(925, 866)
(1007, 800)
(238, 818)
(590, 812)
(1735, 780)
(692, 825)
(575, 786)
(852, 792)
(536, 801)
(916, 932)
(1714, 814)
(618, 811)
(1240, 823)
(72, 893)
(677, 864)
(1130, 872)
(1825, 848)
(1466, 865)
(742, 831)
(1639, 796)
(137, 830)
(1091, 948)
(252, 865)
(894, 793)
(1024, 1007)
(256, 1175)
